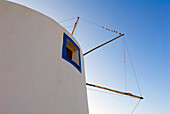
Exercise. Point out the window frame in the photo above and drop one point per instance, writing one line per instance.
(64, 52)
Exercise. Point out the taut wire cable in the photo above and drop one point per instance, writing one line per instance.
(76, 29)
(91, 22)
(68, 26)
(136, 106)
(104, 92)
(67, 20)
(107, 29)
(133, 68)
(124, 63)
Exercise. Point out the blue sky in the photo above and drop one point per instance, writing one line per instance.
(146, 26)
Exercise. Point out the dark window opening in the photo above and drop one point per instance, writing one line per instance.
(69, 53)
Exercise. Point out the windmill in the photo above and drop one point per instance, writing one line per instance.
(42, 65)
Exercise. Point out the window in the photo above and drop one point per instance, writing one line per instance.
(71, 52)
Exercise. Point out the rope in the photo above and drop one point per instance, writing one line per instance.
(136, 106)
(101, 26)
(124, 63)
(117, 95)
(91, 22)
(133, 68)
(103, 92)
(68, 26)
(76, 30)
(67, 20)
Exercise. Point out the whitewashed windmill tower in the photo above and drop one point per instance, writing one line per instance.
(41, 65)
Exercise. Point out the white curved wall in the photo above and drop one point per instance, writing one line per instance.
(34, 78)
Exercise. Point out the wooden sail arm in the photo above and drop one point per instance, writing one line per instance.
(115, 91)
(75, 26)
(103, 44)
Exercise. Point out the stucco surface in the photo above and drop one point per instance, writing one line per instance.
(34, 78)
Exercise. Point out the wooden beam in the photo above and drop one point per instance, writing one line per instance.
(103, 44)
(115, 91)
(75, 26)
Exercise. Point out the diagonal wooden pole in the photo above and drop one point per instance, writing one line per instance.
(75, 26)
(103, 44)
(115, 91)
